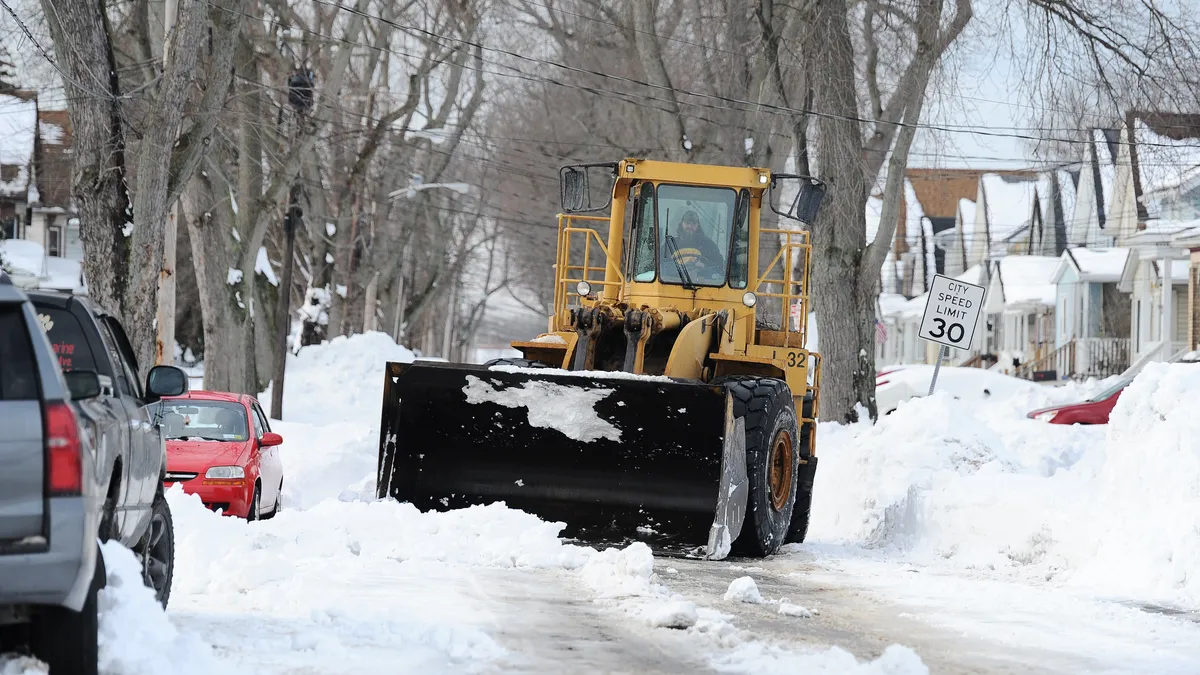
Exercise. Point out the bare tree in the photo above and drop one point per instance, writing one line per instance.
(122, 233)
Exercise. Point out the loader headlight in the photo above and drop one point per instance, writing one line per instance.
(749, 299)
(225, 472)
(583, 288)
(762, 178)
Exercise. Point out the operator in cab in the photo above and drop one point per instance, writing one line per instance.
(692, 237)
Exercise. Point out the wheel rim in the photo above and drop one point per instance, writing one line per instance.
(780, 470)
(156, 558)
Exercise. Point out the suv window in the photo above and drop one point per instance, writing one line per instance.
(67, 338)
(125, 383)
(18, 375)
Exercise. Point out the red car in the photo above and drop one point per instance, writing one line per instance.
(1095, 410)
(221, 447)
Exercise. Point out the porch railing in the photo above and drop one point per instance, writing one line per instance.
(1081, 358)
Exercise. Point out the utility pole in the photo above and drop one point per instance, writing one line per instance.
(283, 316)
(164, 343)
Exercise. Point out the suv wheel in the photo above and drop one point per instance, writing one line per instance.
(156, 550)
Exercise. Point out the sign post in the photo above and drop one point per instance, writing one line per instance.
(951, 314)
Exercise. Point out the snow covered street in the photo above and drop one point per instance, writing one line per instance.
(954, 536)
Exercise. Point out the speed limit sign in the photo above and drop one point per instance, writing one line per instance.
(951, 312)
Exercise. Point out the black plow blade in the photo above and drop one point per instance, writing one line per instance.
(614, 458)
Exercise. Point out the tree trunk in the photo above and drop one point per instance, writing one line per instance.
(81, 43)
(844, 305)
(228, 345)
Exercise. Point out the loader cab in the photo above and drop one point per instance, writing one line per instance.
(688, 235)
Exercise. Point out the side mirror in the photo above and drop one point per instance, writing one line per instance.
(83, 384)
(166, 381)
(575, 190)
(807, 202)
(270, 439)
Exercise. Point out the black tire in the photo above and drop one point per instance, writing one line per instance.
(798, 529)
(772, 460)
(66, 640)
(156, 549)
(252, 513)
(519, 363)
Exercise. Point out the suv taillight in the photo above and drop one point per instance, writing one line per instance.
(63, 450)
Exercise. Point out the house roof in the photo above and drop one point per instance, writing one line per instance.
(54, 158)
(1026, 280)
(1168, 150)
(18, 129)
(1101, 265)
(1189, 238)
(1179, 271)
(1008, 200)
(1159, 232)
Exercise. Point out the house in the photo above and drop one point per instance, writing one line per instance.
(1190, 241)
(1019, 308)
(35, 176)
(1155, 187)
(1095, 178)
(1091, 313)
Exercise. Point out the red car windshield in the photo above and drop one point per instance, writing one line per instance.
(203, 420)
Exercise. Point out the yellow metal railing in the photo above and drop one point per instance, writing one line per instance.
(568, 275)
(795, 248)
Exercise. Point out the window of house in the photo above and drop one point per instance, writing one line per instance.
(9, 227)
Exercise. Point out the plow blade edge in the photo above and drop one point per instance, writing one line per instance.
(615, 459)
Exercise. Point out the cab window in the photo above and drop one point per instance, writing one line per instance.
(643, 258)
(739, 262)
(695, 226)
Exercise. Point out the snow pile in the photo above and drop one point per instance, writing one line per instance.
(135, 636)
(757, 658)
(1147, 507)
(625, 578)
(340, 380)
(975, 485)
(743, 589)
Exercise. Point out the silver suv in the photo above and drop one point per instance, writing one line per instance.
(62, 445)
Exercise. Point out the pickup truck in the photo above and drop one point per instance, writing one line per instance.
(82, 461)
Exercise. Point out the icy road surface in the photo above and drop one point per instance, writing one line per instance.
(955, 536)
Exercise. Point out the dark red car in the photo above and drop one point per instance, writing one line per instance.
(221, 447)
(1095, 410)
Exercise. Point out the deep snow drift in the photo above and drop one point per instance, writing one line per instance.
(1113, 509)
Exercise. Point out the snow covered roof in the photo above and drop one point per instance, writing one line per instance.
(1027, 280)
(1009, 203)
(1166, 163)
(1189, 238)
(1159, 231)
(1094, 264)
(18, 129)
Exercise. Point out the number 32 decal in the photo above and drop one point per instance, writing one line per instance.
(942, 330)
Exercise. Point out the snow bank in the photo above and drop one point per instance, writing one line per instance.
(135, 636)
(340, 380)
(975, 485)
(1146, 517)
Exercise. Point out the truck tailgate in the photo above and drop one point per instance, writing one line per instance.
(22, 484)
(22, 491)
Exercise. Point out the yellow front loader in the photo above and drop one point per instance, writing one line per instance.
(671, 399)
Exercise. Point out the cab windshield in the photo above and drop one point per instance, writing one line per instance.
(193, 420)
(694, 225)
